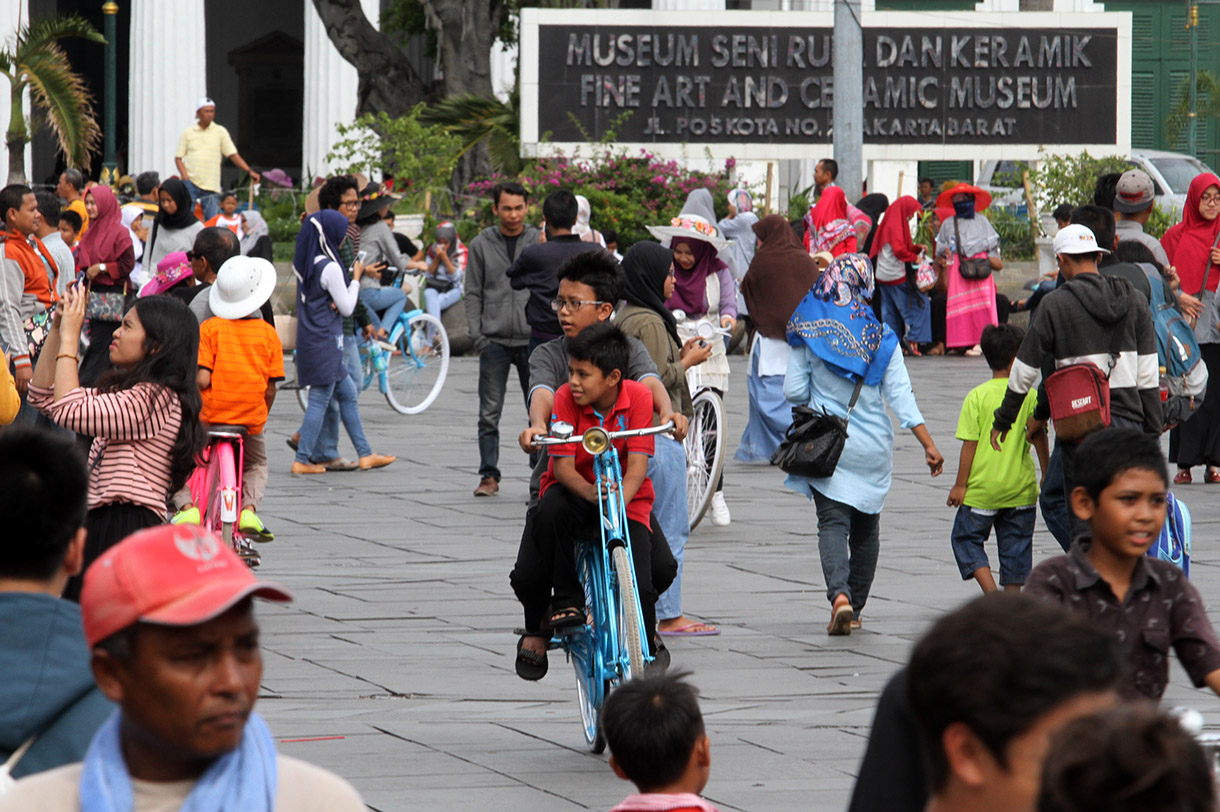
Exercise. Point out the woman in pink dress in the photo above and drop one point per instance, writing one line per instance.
(971, 303)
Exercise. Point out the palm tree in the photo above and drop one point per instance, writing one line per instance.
(34, 59)
(1207, 105)
(476, 119)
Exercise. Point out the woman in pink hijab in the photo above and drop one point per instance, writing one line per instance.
(104, 261)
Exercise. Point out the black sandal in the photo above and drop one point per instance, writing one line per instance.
(567, 618)
(531, 665)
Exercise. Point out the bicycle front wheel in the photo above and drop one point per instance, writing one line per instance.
(704, 453)
(587, 662)
(417, 372)
(630, 626)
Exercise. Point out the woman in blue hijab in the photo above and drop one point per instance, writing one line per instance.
(838, 343)
(325, 295)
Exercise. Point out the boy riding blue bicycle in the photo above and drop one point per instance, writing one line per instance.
(596, 395)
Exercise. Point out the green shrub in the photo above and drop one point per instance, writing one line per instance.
(1070, 178)
(1017, 233)
(627, 193)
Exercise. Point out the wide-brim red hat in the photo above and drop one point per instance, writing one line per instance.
(982, 198)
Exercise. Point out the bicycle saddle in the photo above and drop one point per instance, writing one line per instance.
(223, 430)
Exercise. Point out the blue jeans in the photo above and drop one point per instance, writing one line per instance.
(437, 303)
(345, 393)
(667, 470)
(494, 364)
(392, 300)
(848, 544)
(210, 201)
(908, 314)
(1014, 535)
(1053, 501)
(326, 447)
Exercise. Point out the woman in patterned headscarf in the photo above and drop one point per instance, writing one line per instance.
(841, 353)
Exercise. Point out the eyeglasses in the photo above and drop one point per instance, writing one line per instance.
(191, 256)
(1210, 200)
(351, 203)
(560, 305)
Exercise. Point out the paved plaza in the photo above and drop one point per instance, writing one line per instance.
(396, 657)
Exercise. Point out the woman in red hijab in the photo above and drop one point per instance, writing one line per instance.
(903, 307)
(104, 260)
(1193, 250)
(827, 227)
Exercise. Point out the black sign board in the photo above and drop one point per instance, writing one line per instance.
(775, 85)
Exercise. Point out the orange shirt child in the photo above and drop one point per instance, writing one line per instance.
(244, 356)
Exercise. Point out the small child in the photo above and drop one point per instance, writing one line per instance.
(1128, 759)
(597, 394)
(657, 742)
(1122, 480)
(228, 216)
(996, 488)
(69, 227)
(240, 361)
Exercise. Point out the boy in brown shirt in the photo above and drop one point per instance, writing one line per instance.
(1148, 603)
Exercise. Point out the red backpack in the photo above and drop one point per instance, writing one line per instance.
(1079, 397)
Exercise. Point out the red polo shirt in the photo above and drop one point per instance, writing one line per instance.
(632, 410)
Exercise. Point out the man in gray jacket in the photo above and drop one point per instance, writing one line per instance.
(47, 695)
(495, 314)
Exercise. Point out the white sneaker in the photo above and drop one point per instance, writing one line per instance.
(720, 511)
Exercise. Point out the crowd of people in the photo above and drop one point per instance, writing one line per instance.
(126, 342)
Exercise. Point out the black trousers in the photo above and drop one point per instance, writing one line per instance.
(108, 525)
(546, 559)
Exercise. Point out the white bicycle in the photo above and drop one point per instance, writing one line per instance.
(705, 437)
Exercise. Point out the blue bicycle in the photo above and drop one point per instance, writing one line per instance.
(409, 366)
(610, 648)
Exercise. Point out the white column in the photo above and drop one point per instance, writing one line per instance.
(168, 75)
(330, 91)
(14, 13)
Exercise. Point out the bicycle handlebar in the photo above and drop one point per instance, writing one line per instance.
(539, 442)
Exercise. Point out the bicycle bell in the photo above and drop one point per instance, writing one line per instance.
(679, 315)
(595, 440)
(705, 330)
(561, 430)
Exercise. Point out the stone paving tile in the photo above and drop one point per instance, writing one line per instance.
(400, 639)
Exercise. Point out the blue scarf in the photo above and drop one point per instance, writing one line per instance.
(837, 324)
(244, 779)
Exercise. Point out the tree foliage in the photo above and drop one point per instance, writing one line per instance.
(1071, 178)
(479, 119)
(58, 94)
(419, 156)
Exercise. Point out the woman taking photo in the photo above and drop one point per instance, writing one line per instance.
(648, 272)
(143, 415)
(1193, 249)
(904, 309)
(176, 225)
(105, 259)
(840, 348)
(780, 275)
(324, 297)
(384, 302)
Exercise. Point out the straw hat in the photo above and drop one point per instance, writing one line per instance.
(982, 198)
(690, 226)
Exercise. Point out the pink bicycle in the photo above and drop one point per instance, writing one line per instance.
(216, 489)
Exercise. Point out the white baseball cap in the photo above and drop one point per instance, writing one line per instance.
(203, 102)
(1077, 239)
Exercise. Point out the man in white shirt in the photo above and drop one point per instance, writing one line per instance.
(168, 614)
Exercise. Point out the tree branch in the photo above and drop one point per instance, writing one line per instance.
(387, 79)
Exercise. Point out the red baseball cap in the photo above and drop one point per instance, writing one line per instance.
(171, 575)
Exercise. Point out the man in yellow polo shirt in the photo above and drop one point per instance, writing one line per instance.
(201, 150)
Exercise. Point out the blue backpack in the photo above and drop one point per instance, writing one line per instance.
(1173, 545)
(1177, 348)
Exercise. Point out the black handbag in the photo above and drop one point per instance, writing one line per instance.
(968, 267)
(814, 442)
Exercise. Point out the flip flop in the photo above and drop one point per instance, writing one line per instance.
(530, 665)
(340, 464)
(694, 629)
(567, 618)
